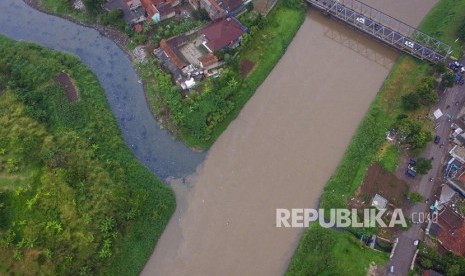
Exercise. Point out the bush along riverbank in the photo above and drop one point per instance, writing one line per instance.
(406, 94)
(73, 198)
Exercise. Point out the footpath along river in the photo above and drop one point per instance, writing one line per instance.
(279, 153)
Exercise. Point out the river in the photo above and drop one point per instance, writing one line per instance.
(154, 147)
(279, 153)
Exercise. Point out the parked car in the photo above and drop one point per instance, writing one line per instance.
(411, 173)
(412, 162)
(437, 139)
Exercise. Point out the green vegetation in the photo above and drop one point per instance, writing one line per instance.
(424, 95)
(389, 158)
(448, 264)
(201, 117)
(174, 27)
(115, 18)
(423, 165)
(415, 198)
(328, 252)
(386, 110)
(448, 80)
(444, 22)
(64, 8)
(73, 198)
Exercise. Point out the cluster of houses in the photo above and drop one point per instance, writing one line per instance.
(192, 55)
(189, 56)
(449, 227)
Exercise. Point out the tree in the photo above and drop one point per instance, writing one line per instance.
(426, 94)
(448, 80)
(440, 68)
(421, 139)
(423, 165)
(411, 101)
(93, 7)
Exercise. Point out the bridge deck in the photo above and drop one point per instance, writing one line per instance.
(385, 28)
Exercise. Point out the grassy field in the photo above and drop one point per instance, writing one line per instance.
(368, 145)
(73, 198)
(328, 252)
(443, 22)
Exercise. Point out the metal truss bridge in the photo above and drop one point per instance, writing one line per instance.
(385, 28)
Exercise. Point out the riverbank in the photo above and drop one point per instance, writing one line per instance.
(367, 143)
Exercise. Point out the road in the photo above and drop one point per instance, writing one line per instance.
(405, 250)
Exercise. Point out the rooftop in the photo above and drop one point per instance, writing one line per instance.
(458, 153)
(230, 5)
(223, 32)
(379, 202)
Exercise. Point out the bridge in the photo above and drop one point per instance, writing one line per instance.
(385, 28)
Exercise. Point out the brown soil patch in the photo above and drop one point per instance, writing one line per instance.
(67, 83)
(246, 67)
(386, 184)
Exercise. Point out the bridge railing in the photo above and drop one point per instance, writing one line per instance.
(386, 28)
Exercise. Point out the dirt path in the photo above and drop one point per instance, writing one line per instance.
(279, 153)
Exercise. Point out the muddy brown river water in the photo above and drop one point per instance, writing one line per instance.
(279, 152)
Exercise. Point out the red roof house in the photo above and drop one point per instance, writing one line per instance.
(223, 33)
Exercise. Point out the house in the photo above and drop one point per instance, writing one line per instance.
(450, 230)
(171, 57)
(222, 34)
(213, 9)
(458, 153)
(166, 11)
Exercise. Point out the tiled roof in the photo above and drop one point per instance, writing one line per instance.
(231, 5)
(208, 60)
(149, 7)
(222, 32)
(454, 240)
(170, 51)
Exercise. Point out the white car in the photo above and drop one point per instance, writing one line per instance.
(409, 44)
(360, 20)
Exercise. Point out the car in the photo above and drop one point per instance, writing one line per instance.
(409, 44)
(411, 173)
(412, 162)
(410, 167)
(437, 139)
(360, 20)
